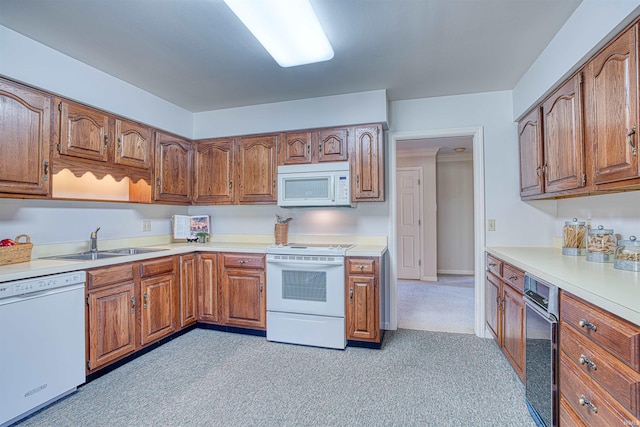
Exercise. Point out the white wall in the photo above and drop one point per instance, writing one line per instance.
(455, 215)
(348, 109)
(25, 60)
(592, 24)
(517, 223)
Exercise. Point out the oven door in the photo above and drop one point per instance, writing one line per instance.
(541, 364)
(306, 284)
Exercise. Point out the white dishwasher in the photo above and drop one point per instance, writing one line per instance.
(42, 342)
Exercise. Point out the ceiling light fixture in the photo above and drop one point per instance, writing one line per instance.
(288, 29)
(459, 149)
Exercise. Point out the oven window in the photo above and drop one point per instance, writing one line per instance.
(304, 285)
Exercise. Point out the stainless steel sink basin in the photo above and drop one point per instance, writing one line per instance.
(86, 256)
(110, 253)
(131, 251)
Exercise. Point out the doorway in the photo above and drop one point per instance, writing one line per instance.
(396, 138)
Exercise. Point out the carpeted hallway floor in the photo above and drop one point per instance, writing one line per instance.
(443, 306)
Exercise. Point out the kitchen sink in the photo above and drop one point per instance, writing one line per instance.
(110, 253)
(131, 251)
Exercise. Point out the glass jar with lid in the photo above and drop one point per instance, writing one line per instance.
(601, 244)
(627, 256)
(574, 235)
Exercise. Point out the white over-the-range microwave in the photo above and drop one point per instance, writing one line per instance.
(321, 184)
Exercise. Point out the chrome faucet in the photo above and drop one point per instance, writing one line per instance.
(94, 240)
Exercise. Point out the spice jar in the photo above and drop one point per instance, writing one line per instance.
(627, 255)
(601, 245)
(574, 234)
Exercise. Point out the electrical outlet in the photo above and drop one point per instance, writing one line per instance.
(146, 225)
(491, 225)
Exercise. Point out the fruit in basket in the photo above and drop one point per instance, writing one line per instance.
(7, 242)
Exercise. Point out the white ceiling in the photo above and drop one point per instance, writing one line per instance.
(196, 54)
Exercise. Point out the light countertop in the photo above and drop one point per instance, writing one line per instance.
(42, 267)
(617, 291)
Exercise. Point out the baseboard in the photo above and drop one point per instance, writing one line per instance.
(429, 278)
(457, 272)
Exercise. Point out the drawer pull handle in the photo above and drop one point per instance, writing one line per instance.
(586, 324)
(584, 360)
(361, 267)
(242, 261)
(492, 264)
(585, 402)
(513, 277)
(146, 300)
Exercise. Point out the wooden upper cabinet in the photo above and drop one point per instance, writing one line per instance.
(173, 169)
(563, 142)
(25, 119)
(296, 148)
(133, 144)
(531, 161)
(367, 168)
(611, 96)
(256, 169)
(84, 132)
(213, 172)
(332, 145)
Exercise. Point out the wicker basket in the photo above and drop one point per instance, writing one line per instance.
(21, 252)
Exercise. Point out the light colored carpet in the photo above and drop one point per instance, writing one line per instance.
(212, 378)
(443, 306)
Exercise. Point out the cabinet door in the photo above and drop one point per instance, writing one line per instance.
(157, 319)
(25, 136)
(513, 342)
(213, 172)
(243, 298)
(367, 165)
(207, 288)
(563, 143)
(332, 145)
(256, 169)
(295, 148)
(361, 313)
(111, 324)
(611, 98)
(133, 144)
(84, 132)
(531, 161)
(174, 165)
(188, 278)
(492, 302)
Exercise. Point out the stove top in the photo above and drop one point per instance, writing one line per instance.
(310, 249)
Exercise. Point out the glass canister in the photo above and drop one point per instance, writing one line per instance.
(627, 255)
(601, 244)
(574, 235)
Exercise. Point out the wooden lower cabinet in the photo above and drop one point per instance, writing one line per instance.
(242, 289)
(207, 288)
(158, 300)
(362, 314)
(111, 315)
(504, 311)
(188, 279)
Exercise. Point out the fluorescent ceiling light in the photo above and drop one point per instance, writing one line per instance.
(288, 29)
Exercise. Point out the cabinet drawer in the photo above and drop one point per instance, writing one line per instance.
(243, 260)
(361, 265)
(622, 382)
(568, 417)
(156, 266)
(494, 265)
(614, 334)
(594, 406)
(514, 276)
(109, 275)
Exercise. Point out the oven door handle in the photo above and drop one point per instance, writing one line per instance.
(315, 264)
(535, 307)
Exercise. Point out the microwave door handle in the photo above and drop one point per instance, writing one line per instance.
(332, 187)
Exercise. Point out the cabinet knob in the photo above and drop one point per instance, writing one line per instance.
(146, 300)
(106, 141)
(586, 324)
(133, 305)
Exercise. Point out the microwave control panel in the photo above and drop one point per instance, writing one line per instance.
(343, 195)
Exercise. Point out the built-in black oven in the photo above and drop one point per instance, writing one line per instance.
(541, 385)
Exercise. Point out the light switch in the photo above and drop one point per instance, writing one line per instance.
(491, 224)
(146, 225)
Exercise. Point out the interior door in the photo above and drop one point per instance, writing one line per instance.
(409, 192)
